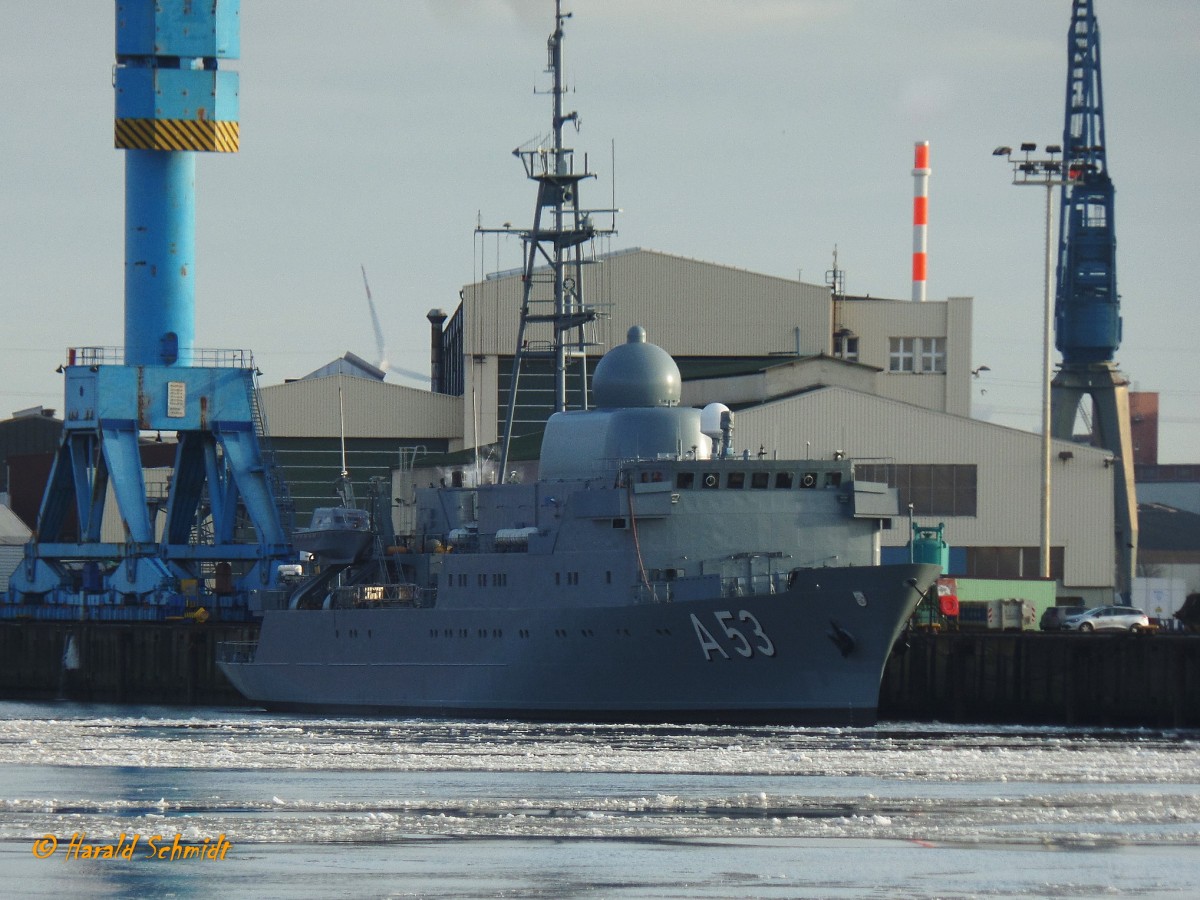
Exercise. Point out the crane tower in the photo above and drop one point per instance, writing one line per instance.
(212, 532)
(1087, 305)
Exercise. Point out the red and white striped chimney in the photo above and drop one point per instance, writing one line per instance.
(920, 218)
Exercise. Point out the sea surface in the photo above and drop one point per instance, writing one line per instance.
(294, 806)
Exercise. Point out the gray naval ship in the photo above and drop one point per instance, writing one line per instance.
(650, 573)
(641, 577)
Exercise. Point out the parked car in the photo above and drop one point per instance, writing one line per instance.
(1109, 618)
(1055, 618)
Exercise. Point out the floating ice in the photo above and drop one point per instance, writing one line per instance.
(391, 780)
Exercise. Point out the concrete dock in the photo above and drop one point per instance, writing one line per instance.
(1123, 679)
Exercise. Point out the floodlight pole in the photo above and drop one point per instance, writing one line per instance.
(1047, 173)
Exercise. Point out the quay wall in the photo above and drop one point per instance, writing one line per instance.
(118, 662)
(1150, 680)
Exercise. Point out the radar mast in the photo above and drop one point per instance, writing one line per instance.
(552, 299)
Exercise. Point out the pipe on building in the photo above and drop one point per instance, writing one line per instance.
(437, 320)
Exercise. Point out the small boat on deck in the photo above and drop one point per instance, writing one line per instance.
(337, 535)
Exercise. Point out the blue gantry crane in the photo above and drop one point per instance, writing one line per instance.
(218, 528)
(1087, 305)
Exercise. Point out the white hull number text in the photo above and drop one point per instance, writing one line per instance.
(744, 640)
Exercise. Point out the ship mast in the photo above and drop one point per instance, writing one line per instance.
(552, 275)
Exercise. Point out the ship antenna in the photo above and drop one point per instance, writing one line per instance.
(342, 429)
(344, 488)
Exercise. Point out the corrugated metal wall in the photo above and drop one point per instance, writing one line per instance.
(25, 435)
(373, 409)
(831, 420)
(311, 466)
(10, 557)
(689, 307)
(701, 309)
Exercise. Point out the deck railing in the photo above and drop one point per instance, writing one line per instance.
(200, 357)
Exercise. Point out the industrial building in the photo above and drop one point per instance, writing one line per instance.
(715, 320)
(29, 432)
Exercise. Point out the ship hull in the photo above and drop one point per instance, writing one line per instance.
(813, 654)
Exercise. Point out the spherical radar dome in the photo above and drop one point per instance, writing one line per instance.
(636, 373)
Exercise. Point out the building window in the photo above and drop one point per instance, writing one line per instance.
(915, 354)
(845, 346)
(1011, 562)
(933, 490)
(902, 354)
(933, 354)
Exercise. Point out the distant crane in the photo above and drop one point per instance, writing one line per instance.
(1087, 306)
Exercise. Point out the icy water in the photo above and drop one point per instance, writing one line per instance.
(290, 806)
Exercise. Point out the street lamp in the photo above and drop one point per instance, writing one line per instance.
(1046, 172)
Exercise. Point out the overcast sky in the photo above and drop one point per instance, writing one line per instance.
(757, 134)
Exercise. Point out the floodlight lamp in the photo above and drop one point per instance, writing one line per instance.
(1053, 148)
(1002, 151)
(1027, 147)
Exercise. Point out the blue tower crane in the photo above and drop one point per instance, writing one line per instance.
(217, 532)
(1087, 306)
